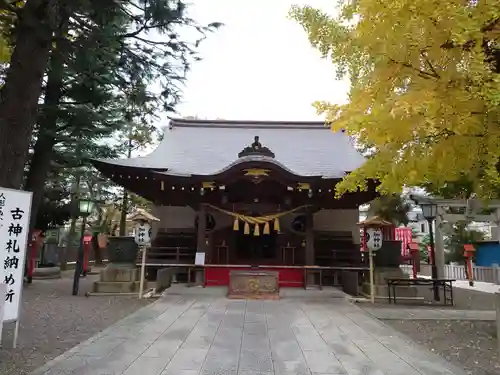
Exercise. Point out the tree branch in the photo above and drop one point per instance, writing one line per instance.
(10, 6)
(428, 63)
(421, 73)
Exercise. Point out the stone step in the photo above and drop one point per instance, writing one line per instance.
(114, 273)
(118, 287)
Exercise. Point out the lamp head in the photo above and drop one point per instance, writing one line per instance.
(85, 206)
(429, 210)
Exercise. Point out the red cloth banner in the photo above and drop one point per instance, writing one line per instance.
(405, 236)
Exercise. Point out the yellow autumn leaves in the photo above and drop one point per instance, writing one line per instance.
(425, 92)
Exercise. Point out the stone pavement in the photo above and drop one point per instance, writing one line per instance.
(430, 314)
(212, 335)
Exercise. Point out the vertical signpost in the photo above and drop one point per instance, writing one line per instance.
(15, 210)
(143, 239)
(373, 240)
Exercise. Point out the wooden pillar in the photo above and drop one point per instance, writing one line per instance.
(310, 259)
(202, 228)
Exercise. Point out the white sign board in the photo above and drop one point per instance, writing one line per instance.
(15, 210)
(142, 234)
(199, 259)
(3, 290)
(373, 238)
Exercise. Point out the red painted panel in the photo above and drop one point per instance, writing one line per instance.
(288, 277)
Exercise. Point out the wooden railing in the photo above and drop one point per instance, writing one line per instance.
(171, 254)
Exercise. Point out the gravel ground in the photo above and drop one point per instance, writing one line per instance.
(464, 299)
(54, 321)
(470, 345)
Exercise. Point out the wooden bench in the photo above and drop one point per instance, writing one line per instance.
(446, 285)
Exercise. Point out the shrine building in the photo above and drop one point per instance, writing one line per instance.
(265, 190)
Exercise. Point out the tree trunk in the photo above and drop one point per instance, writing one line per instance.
(23, 83)
(37, 174)
(123, 214)
(44, 146)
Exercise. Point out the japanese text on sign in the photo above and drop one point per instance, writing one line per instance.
(143, 234)
(13, 241)
(2, 206)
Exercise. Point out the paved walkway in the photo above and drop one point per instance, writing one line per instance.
(211, 335)
(430, 314)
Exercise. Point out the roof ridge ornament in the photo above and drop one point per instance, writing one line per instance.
(256, 148)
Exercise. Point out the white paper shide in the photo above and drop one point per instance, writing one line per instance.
(15, 209)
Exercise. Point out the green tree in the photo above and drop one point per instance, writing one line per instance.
(35, 24)
(106, 33)
(101, 71)
(393, 208)
(457, 238)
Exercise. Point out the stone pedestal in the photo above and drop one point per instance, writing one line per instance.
(122, 251)
(497, 305)
(350, 282)
(253, 284)
(198, 277)
(118, 279)
(380, 276)
(164, 279)
(45, 273)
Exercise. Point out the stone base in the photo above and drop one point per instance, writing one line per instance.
(380, 275)
(118, 287)
(262, 296)
(164, 279)
(47, 273)
(253, 285)
(119, 273)
(381, 291)
(119, 278)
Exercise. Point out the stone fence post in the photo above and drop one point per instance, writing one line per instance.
(496, 273)
(497, 304)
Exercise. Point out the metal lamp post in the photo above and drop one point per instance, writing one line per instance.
(429, 210)
(85, 208)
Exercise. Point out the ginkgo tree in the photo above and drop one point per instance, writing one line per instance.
(425, 88)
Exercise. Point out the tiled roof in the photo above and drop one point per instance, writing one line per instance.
(209, 147)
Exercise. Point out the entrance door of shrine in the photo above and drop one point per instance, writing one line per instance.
(255, 249)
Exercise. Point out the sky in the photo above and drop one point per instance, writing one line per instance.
(259, 65)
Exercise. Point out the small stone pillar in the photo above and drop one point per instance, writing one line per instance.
(439, 246)
(309, 248)
(496, 273)
(201, 241)
(497, 305)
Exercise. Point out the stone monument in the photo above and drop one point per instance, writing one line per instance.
(387, 262)
(121, 275)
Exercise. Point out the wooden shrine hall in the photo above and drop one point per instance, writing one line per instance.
(248, 194)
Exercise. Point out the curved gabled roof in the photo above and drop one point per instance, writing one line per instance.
(200, 147)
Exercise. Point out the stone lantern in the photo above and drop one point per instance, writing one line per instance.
(122, 275)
